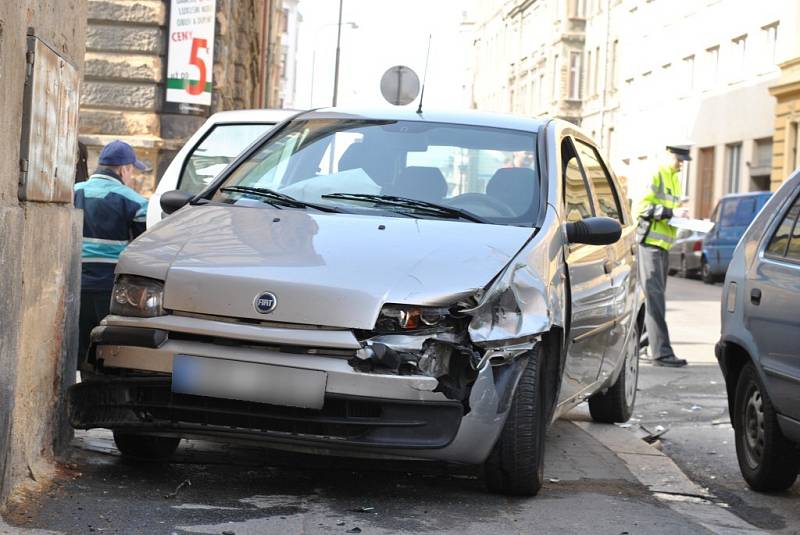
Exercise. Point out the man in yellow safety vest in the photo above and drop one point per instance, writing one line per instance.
(656, 236)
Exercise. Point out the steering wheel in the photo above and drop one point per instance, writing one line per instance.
(477, 203)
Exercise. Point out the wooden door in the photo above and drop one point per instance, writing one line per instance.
(705, 182)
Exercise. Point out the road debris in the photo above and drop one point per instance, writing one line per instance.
(354, 530)
(655, 434)
(363, 509)
(185, 483)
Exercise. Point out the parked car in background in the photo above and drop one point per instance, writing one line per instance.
(731, 217)
(685, 257)
(222, 138)
(758, 351)
(344, 289)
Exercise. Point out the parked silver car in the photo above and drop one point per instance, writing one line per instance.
(686, 254)
(384, 284)
(758, 351)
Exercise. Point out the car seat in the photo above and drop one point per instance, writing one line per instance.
(516, 187)
(423, 183)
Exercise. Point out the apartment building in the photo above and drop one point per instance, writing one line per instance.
(642, 74)
(528, 58)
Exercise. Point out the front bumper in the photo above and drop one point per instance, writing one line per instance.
(384, 415)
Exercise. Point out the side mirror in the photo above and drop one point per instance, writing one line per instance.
(594, 231)
(172, 201)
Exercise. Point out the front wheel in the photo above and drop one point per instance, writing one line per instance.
(516, 464)
(768, 461)
(616, 404)
(145, 446)
(706, 274)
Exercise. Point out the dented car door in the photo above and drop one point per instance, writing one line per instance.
(589, 268)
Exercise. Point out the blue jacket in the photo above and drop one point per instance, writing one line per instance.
(113, 215)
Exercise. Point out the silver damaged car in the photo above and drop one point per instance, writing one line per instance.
(381, 284)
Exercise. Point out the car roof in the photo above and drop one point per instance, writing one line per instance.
(747, 194)
(263, 115)
(465, 117)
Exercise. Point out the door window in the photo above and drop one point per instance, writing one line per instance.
(220, 146)
(577, 200)
(602, 185)
(786, 240)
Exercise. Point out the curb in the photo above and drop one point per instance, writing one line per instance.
(667, 482)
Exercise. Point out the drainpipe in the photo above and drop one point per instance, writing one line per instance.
(267, 64)
(605, 74)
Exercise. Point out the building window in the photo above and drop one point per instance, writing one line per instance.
(761, 167)
(770, 33)
(285, 21)
(575, 75)
(688, 70)
(739, 57)
(540, 95)
(577, 9)
(794, 146)
(712, 66)
(556, 90)
(733, 158)
(613, 84)
(596, 70)
(589, 77)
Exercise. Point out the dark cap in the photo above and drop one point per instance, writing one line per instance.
(680, 151)
(119, 153)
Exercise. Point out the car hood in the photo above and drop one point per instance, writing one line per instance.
(333, 270)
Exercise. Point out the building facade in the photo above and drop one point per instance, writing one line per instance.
(289, 45)
(641, 74)
(786, 138)
(528, 57)
(41, 61)
(123, 93)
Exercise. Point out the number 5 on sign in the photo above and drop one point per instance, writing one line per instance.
(190, 56)
(197, 87)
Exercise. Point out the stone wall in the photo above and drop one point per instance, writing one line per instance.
(126, 56)
(39, 248)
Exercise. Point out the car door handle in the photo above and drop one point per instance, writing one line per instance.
(607, 267)
(755, 296)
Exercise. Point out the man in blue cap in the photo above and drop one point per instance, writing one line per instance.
(113, 215)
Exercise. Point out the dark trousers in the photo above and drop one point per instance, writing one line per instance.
(94, 307)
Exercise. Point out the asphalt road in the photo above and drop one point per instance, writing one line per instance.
(691, 401)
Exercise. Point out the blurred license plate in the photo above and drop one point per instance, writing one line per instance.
(248, 381)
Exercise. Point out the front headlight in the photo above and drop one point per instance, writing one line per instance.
(400, 318)
(137, 296)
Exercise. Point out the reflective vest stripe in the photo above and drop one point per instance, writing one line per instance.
(662, 237)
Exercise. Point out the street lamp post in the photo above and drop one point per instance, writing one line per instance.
(350, 24)
(338, 54)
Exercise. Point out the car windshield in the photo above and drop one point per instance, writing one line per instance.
(402, 168)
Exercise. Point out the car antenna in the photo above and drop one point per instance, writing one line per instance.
(424, 76)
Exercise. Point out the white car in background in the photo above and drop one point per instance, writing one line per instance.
(217, 143)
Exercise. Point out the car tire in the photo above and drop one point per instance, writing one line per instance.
(706, 274)
(516, 464)
(616, 404)
(767, 460)
(146, 447)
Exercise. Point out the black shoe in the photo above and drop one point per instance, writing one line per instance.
(671, 362)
